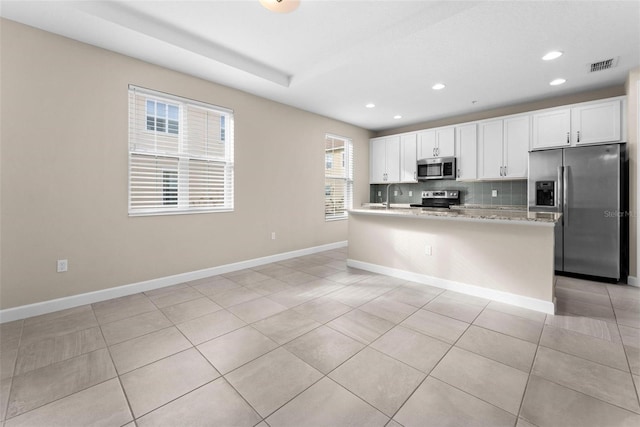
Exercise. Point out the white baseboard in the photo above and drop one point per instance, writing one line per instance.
(633, 281)
(22, 312)
(478, 291)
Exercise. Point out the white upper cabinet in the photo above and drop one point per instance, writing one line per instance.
(498, 148)
(427, 144)
(384, 160)
(596, 123)
(516, 147)
(552, 129)
(588, 123)
(409, 157)
(446, 141)
(490, 162)
(437, 143)
(467, 149)
(503, 147)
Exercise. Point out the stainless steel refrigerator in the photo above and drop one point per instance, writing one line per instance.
(585, 184)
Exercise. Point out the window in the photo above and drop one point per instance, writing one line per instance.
(180, 155)
(328, 161)
(338, 180)
(163, 117)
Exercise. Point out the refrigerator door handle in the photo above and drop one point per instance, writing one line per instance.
(565, 193)
(560, 190)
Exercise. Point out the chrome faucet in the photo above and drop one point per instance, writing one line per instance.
(387, 204)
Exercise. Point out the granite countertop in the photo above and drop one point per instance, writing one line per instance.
(508, 214)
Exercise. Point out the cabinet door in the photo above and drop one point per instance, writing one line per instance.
(516, 146)
(426, 144)
(377, 160)
(393, 158)
(467, 150)
(408, 158)
(490, 150)
(551, 129)
(596, 123)
(446, 142)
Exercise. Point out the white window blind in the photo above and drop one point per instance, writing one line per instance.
(338, 178)
(180, 155)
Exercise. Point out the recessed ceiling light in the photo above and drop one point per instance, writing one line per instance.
(557, 82)
(397, 116)
(552, 55)
(438, 86)
(281, 6)
(370, 105)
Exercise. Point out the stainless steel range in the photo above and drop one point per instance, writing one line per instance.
(438, 199)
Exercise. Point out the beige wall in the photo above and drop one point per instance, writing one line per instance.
(632, 153)
(64, 174)
(484, 254)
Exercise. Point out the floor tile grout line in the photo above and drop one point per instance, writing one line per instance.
(583, 358)
(60, 398)
(533, 361)
(396, 286)
(585, 394)
(452, 345)
(15, 364)
(124, 392)
(626, 355)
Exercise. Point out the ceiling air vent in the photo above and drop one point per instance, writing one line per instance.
(603, 65)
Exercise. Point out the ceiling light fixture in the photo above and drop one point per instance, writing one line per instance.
(552, 55)
(280, 6)
(397, 116)
(370, 105)
(438, 86)
(557, 82)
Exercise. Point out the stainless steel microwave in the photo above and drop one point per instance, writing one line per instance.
(437, 168)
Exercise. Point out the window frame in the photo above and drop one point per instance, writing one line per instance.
(200, 169)
(347, 177)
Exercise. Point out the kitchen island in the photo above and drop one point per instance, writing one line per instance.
(505, 255)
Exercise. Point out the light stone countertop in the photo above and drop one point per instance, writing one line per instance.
(494, 214)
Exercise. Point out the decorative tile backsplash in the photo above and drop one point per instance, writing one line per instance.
(512, 193)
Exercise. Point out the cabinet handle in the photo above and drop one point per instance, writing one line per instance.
(500, 170)
(505, 171)
(458, 173)
(578, 136)
(568, 140)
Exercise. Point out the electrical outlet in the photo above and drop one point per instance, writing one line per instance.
(427, 250)
(63, 265)
(494, 193)
(395, 192)
(410, 193)
(379, 193)
(273, 235)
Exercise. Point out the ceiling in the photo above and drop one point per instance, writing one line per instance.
(333, 57)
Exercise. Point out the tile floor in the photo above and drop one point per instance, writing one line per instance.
(309, 342)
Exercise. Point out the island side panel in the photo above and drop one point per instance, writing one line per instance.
(515, 258)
